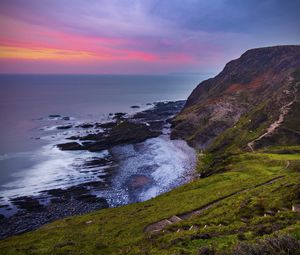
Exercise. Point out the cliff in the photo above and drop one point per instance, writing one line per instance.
(252, 103)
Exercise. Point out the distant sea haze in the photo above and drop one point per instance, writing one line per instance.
(28, 157)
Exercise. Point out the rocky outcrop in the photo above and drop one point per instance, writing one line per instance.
(134, 129)
(245, 99)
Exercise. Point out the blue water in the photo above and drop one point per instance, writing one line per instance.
(27, 154)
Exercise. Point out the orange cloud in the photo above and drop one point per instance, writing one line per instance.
(41, 53)
(7, 52)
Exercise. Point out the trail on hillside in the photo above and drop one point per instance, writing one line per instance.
(160, 225)
(283, 112)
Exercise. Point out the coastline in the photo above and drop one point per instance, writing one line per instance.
(114, 187)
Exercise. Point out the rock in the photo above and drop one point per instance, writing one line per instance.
(175, 219)
(269, 213)
(156, 125)
(296, 208)
(124, 133)
(119, 115)
(74, 137)
(70, 146)
(56, 200)
(85, 125)
(27, 203)
(54, 116)
(66, 118)
(99, 162)
(93, 137)
(64, 127)
(106, 125)
(134, 106)
(138, 181)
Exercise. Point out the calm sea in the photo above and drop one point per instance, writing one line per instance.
(26, 101)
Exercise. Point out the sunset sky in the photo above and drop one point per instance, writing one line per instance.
(139, 36)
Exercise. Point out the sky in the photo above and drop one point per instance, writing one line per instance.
(139, 36)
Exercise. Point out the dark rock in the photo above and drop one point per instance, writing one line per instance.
(134, 106)
(156, 125)
(99, 162)
(66, 118)
(54, 116)
(119, 115)
(89, 198)
(85, 125)
(106, 125)
(27, 203)
(74, 137)
(93, 137)
(70, 146)
(64, 127)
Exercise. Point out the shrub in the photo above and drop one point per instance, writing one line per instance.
(280, 245)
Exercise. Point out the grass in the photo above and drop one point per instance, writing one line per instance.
(120, 230)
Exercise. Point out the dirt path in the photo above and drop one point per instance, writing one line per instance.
(283, 111)
(160, 225)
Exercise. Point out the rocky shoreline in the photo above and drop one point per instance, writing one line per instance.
(50, 205)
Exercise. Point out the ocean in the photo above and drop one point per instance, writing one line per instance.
(32, 106)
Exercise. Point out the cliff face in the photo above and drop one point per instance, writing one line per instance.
(255, 97)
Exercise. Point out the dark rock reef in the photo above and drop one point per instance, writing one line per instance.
(134, 129)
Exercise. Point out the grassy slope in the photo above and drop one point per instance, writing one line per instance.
(120, 230)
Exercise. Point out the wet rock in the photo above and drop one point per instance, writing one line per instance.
(139, 181)
(70, 146)
(54, 116)
(93, 137)
(85, 125)
(141, 126)
(99, 162)
(89, 198)
(56, 200)
(119, 115)
(156, 125)
(161, 111)
(74, 137)
(27, 203)
(124, 133)
(106, 125)
(64, 127)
